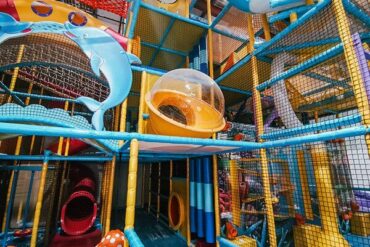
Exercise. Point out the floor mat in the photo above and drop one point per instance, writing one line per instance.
(155, 234)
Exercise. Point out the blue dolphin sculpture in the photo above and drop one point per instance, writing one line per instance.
(107, 56)
(105, 53)
(265, 6)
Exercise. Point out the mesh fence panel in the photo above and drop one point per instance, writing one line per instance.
(318, 177)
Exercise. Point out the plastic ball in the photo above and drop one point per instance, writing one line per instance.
(114, 238)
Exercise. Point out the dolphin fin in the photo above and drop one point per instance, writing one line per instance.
(90, 103)
(95, 63)
(97, 119)
(133, 59)
(15, 27)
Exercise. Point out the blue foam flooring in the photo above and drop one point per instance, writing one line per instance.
(153, 233)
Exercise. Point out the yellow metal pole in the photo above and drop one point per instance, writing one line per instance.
(38, 208)
(104, 192)
(352, 64)
(259, 127)
(15, 72)
(131, 185)
(17, 152)
(235, 192)
(117, 124)
(142, 102)
(210, 40)
(293, 17)
(19, 139)
(215, 193)
(305, 185)
(33, 138)
(214, 157)
(110, 196)
(19, 214)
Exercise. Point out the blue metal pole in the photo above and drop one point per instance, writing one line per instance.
(24, 129)
(235, 90)
(325, 125)
(223, 12)
(298, 46)
(19, 168)
(285, 14)
(356, 11)
(7, 90)
(320, 58)
(163, 39)
(229, 35)
(148, 70)
(309, 15)
(326, 101)
(322, 89)
(327, 79)
(234, 68)
(54, 158)
(179, 53)
(320, 137)
(28, 200)
(173, 15)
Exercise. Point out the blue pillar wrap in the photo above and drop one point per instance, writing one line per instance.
(200, 198)
(203, 57)
(193, 199)
(209, 215)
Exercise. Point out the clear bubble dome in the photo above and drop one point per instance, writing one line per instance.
(190, 98)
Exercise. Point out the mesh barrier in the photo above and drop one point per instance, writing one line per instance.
(118, 7)
(311, 186)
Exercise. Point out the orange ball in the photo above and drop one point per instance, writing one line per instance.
(114, 238)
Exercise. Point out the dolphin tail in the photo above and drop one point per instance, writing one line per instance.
(90, 103)
(97, 120)
(95, 106)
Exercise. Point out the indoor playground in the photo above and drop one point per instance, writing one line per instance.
(199, 123)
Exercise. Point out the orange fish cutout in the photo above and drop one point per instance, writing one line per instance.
(114, 238)
(299, 219)
(231, 232)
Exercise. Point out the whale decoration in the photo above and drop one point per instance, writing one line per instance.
(105, 53)
(265, 6)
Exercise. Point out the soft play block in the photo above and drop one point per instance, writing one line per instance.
(313, 236)
(360, 224)
(245, 241)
